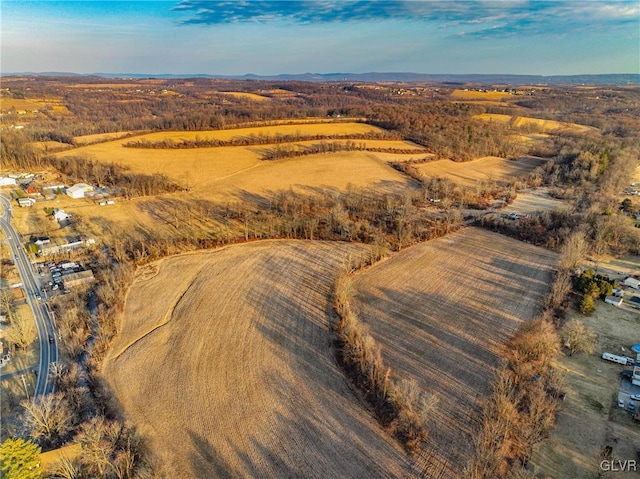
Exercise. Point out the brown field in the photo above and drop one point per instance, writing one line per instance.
(50, 458)
(442, 311)
(19, 104)
(106, 85)
(490, 168)
(479, 95)
(589, 419)
(544, 126)
(51, 146)
(240, 377)
(226, 172)
(533, 201)
(245, 95)
(100, 137)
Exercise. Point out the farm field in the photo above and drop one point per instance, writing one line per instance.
(490, 168)
(533, 201)
(537, 123)
(245, 95)
(479, 95)
(225, 172)
(441, 311)
(589, 419)
(240, 377)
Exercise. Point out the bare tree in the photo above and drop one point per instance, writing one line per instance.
(22, 331)
(573, 251)
(578, 338)
(48, 419)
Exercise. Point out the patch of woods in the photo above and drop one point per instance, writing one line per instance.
(254, 139)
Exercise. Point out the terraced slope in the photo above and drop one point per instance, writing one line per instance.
(225, 363)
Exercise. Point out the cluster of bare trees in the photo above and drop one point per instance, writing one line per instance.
(253, 139)
(79, 169)
(522, 407)
(399, 405)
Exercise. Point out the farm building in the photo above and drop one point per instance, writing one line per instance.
(79, 190)
(78, 278)
(7, 181)
(25, 202)
(616, 301)
(632, 283)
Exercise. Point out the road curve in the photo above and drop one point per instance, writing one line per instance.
(32, 287)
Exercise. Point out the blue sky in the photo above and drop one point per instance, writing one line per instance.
(321, 36)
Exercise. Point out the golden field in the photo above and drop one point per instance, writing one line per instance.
(538, 124)
(99, 137)
(490, 168)
(442, 311)
(479, 95)
(240, 378)
(244, 95)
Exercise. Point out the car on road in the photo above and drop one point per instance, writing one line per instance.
(51, 340)
(635, 397)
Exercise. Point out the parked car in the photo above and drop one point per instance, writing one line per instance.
(631, 406)
(621, 403)
(635, 397)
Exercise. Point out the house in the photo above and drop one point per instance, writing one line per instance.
(61, 216)
(32, 191)
(75, 279)
(632, 283)
(26, 202)
(40, 240)
(79, 190)
(616, 301)
(5, 181)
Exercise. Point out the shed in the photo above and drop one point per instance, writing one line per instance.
(61, 215)
(616, 301)
(80, 277)
(632, 282)
(5, 181)
(79, 190)
(24, 202)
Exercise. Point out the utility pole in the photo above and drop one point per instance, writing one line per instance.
(25, 386)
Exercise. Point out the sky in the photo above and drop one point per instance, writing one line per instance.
(236, 37)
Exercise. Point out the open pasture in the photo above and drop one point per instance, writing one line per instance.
(239, 376)
(490, 168)
(534, 201)
(442, 311)
(537, 124)
(99, 137)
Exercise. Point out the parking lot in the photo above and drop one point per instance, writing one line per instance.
(626, 390)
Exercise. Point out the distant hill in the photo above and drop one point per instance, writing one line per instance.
(603, 79)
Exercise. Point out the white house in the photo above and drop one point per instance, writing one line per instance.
(79, 190)
(632, 283)
(60, 215)
(26, 202)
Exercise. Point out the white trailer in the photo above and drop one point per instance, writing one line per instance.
(617, 359)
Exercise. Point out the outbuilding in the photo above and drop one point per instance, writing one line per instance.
(79, 190)
(616, 301)
(632, 283)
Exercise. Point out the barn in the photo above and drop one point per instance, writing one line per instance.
(79, 190)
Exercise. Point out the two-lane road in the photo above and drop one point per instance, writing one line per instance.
(32, 287)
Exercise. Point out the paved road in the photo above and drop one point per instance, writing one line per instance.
(32, 288)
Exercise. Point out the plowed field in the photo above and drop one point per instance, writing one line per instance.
(238, 375)
(441, 311)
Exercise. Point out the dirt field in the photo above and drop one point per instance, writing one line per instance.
(240, 378)
(537, 123)
(589, 419)
(441, 311)
(490, 168)
(479, 95)
(532, 201)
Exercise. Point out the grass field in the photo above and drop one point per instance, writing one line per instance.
(490, 168)
(240, 377)
(533, 201)
(441, 312)
(589, 419)
(544, 126)
(99, 137)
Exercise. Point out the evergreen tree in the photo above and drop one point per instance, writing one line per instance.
(19, 459)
